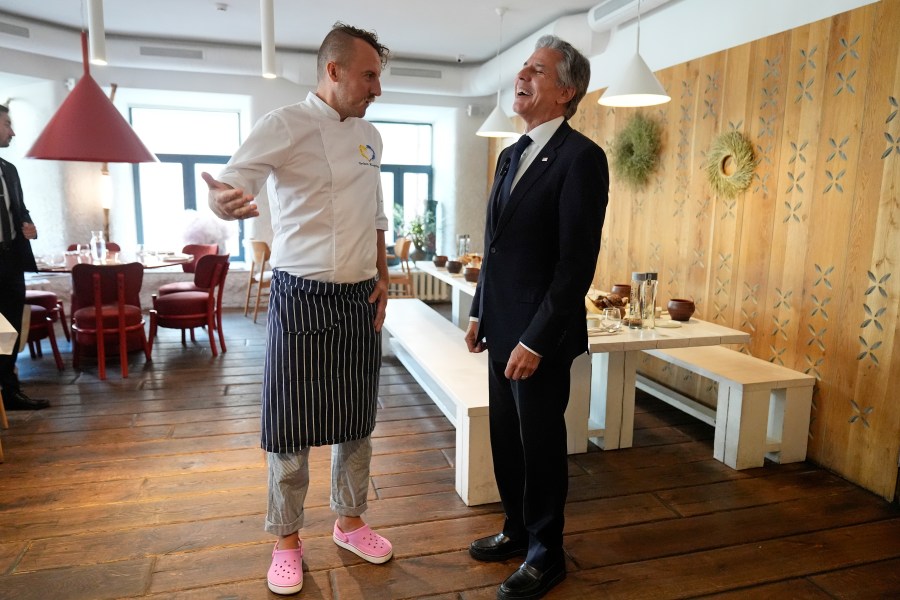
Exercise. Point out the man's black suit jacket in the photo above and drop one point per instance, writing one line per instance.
(21, 250)
(540, 259)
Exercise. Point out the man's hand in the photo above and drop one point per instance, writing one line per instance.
(380, 295)
(522, 363)
(29, 231)
(475, 345)
(227, 202)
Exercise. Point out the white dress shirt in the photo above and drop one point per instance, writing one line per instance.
(327, 201)
(540, 135)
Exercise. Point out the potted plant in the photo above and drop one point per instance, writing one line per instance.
(420, 230)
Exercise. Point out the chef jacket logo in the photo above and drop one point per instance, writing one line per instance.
(367, 152)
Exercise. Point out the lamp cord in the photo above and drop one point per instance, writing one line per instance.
(639, 28)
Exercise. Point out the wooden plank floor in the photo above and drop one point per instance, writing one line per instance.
(154, 487)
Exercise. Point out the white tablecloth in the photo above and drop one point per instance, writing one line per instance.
(8, 336)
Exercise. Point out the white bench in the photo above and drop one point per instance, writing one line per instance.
(434, 351)
(762, 408)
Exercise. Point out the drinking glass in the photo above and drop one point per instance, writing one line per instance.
(611, 320)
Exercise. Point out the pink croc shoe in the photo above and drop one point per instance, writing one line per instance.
(364, 543)
(286, 573)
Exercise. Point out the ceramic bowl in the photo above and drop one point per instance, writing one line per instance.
(440, 261)
(621, 289)
(454, 266)
(680, 309)
(471, 274)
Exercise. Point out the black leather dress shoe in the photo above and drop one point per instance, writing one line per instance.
(20, 401)
(497, 547)
(528, 582)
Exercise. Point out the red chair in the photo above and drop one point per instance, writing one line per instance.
(41, 327)
(197, 251)
(52, 303)
(202, 308)
(106, 309)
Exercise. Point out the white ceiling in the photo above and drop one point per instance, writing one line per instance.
(429, 30)
(426, 36)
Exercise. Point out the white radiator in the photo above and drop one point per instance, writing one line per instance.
(428, 288)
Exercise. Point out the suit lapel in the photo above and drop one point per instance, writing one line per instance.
(10, 176)
(532, 175)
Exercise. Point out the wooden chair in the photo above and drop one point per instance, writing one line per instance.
(39, 328)
(200, 308)
(106, 309)
(400, 283)
(197, 251)
(260, 253)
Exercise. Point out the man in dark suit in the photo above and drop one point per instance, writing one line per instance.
(542, 237)
(16, 257)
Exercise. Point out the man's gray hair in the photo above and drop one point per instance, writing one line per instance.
(574, 70)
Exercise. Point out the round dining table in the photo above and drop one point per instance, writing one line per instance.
(150, 260)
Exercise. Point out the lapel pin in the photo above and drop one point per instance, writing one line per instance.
(544, 159)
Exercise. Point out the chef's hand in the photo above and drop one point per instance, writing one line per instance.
(29, 230)
(227, 202)
(522, 363)
(472, 341)
(380, 295)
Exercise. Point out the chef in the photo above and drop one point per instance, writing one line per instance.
(328, 292)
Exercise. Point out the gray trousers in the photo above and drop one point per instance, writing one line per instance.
(289, 482)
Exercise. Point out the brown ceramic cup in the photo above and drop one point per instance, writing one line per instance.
(621, 289)
(680, 309)
(454, 266)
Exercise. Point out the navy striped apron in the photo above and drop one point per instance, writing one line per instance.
(323, 359)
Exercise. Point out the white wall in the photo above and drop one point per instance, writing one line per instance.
(64, 197)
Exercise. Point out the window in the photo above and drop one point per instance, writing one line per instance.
(406, 173)
(187, 142)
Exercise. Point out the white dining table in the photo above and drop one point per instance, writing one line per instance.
(614, 362)
(461, 291)
(8, 336)
(601, 399)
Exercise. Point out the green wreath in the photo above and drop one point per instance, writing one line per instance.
(730, 164)
(636, 150)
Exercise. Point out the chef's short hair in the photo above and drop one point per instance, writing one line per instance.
(337, 45)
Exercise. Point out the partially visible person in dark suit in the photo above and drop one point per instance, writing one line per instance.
(541, 242)
(16, 257)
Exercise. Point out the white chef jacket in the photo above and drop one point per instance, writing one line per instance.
(327, 203)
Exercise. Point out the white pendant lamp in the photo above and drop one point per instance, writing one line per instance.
(637, 86)
(497, 123)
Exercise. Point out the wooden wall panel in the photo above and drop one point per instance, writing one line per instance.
(806, 260)
(873, 412)
(818, 309)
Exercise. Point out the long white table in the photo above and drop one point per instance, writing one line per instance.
(601, 401)
(614, 361)
(8, 336)
(461, 291)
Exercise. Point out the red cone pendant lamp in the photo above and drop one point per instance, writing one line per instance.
(87, 127)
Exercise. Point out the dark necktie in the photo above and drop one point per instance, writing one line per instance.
(510, 175)
(506, 186)
(5, 220)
